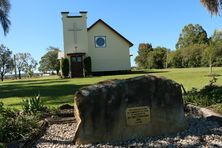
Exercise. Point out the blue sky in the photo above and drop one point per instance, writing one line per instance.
(36, 24)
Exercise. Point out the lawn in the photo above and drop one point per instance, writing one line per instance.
(55, 91)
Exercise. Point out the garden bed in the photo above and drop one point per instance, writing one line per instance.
(202, 131)
(28, 142)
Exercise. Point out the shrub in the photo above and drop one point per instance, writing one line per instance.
(65, 67)
(14, 126)
(88, 66)
(208, 95)
(33, 105)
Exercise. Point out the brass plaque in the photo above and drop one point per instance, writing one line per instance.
(137, 115)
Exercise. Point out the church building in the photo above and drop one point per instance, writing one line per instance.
(107, 49)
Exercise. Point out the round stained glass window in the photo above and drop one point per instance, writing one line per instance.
(100, 42)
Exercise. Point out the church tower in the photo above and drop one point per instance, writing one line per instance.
(75, 39)
(75, 33)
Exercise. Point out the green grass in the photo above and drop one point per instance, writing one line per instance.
(55, 91)
(192, 77)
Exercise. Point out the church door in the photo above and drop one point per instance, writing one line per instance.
(77, 66)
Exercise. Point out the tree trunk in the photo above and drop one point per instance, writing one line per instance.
(2, 77)
(19, 74)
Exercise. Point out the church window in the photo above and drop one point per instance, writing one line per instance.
(100, 41)
(74, 59)
(79, 59)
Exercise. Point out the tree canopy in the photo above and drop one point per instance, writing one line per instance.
(190, 35)
(213, 6)
(217, 35)
(50, 62)
(6, 62)
(4, 18)
(194, 49)
(21, 62)
(143, 55)
(149, 57)
(30, 66)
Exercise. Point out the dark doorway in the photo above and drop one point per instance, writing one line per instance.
(76, 66)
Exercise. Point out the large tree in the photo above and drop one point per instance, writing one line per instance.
(50, 62)
(192, 55)
(212, 54)
(6, 62)
(149, 57)
(143, 58)
(174, 59)
(213, 6)
(30, 66)
(158, 56)
(21, 60)
(4, 17)
(190, 35)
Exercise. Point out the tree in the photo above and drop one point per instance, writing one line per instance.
(29, 65)
(158, 57)
(149, 57)
(4, 18)
(6, 62)
(192, 34)
(65, 67)
(210, 54)
(216, 42)
(217, 35)
(192, 55)
(21, 61)
(174, 59)
(213, 54)
(142, 60)
(50, 62)
(213, 6)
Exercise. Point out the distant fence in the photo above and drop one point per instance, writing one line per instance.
(12, 76)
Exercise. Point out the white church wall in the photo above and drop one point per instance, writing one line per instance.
(68, 36)
(115, 56)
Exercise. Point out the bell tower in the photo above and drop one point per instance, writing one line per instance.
(75, 39)
(75, 34)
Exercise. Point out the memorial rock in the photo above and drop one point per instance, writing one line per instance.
(117, 110)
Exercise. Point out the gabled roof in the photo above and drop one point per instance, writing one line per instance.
(101, 21)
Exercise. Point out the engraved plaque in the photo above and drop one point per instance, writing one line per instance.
(137, 115)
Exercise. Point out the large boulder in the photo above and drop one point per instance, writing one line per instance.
(118, 110)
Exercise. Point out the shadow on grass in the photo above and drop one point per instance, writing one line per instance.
(45, 91)
(113, 73)
(40, 81)
(147, 72)
(49, 101)
(51, 94)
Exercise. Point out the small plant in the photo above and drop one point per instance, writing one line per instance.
(213, 81)
(33, 105)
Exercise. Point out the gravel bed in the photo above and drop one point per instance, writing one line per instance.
(200, 133)
(57, 136)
